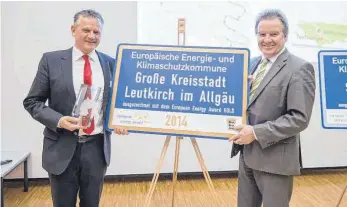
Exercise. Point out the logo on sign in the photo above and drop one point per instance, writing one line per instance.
(231, 122)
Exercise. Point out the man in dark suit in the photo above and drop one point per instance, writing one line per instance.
(75, 156)
(280, 104)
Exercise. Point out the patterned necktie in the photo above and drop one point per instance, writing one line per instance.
(259, 77)
(87, 76)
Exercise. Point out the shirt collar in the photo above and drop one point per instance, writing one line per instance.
(77, 54)
(274, 58)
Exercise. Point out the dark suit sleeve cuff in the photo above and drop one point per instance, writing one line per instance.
(53, 123)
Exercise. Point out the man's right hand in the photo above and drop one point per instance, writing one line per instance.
(70, 123)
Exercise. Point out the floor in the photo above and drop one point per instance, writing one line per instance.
(311, 189)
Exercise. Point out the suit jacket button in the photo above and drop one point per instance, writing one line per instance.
(75, 133)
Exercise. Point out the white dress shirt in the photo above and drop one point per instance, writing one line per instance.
(97, 81)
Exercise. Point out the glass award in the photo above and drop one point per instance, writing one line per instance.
(86, 103)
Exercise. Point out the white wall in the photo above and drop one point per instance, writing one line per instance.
(1, 81)
(206, 26)
(30, 28)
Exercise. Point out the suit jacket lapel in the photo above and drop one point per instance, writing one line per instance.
(66, 67)
(106, 69)
(275, 68)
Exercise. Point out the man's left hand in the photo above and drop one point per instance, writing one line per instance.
(245, 136)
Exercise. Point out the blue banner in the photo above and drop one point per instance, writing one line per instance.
(182, 91)
(333, 88)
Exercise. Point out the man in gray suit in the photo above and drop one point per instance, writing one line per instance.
(75, 156)
(282, 93)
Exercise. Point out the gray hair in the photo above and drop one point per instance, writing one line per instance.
(272, 14)
(88, 13)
